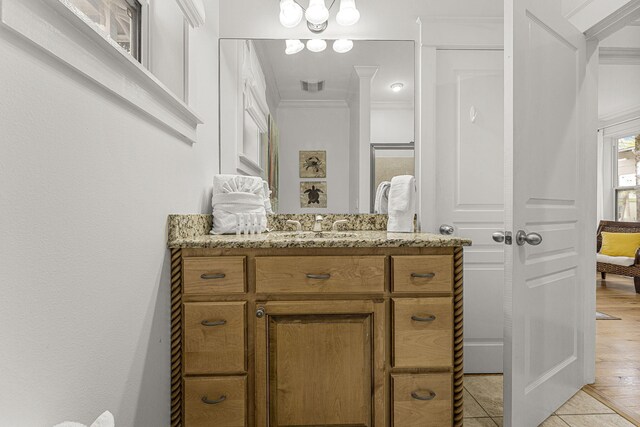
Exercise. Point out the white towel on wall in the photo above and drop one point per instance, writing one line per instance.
(381, 205)
(402, 204)
(104, 420)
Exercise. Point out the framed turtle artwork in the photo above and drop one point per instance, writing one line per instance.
(313, 194)
(313, 164)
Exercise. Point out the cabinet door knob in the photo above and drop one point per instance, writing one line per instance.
(428, 318)
(213, 323)
(213, 276)
(423, 275)
(206, 400)
(260, 312)
(423, 395)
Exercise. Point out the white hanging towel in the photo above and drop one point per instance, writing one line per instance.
(236, 194)
(104, 420)
(402, 204)
(381, 205)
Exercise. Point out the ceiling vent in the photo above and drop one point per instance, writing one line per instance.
(312, 86)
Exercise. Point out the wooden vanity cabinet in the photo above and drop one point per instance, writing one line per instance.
(317, 337)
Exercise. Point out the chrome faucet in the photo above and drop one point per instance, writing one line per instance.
(295, 224)
(336, 224)
(317, 226)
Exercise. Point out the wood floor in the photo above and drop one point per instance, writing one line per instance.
(618, 347)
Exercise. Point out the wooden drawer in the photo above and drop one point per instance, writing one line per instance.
(225, 404)
(422, 273)
(320, 274)
(422, 332)
(422, 400)
(214, 337)
(214, 275)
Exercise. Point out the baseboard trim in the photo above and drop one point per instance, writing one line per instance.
(483, 358)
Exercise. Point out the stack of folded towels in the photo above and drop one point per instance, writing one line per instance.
(402, 204)
(235, 195)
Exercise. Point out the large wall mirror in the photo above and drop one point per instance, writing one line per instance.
(323, 128)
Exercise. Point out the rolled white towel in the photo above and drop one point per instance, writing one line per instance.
(104, 420)
(402, 204)
(226, 206)
(381, 205)
(237, 184)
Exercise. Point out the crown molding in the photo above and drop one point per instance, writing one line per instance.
(619, 55)
(193, 11)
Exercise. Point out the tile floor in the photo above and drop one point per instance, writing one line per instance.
(483, 407)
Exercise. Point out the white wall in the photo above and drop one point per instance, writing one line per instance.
(86, 185)
(314, 128)
(392, 125)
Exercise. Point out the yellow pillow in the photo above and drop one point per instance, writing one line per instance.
(620, 244)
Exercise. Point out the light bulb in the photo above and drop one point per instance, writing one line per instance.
(317, 12)
(342, 45)
(293, 47)
(290, 13)
(397, 87)
(348, 14)
(316, 45)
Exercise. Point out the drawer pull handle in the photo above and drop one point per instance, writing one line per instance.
(319, 276)
(213, 276)
(423, 275)
(214, 323)
(416, 395)
(206, 400)
(429, 318)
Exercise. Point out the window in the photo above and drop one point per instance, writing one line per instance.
(119, 19)
(627, 182)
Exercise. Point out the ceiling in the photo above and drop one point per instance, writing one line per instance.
(394, 59)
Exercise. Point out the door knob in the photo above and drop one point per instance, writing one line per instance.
(498, 236)
(446, 229)
(522, 237)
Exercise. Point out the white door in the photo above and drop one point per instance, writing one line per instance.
(470, 190)
(550, 168)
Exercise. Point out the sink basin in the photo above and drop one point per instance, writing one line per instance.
(313, 235)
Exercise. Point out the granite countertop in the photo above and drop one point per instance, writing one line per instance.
(192, 231)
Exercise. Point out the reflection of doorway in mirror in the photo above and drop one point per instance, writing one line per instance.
(313, 194)
(313, 164)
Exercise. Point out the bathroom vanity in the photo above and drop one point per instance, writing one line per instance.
(358, 328)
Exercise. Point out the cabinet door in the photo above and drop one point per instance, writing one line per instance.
(320, 363)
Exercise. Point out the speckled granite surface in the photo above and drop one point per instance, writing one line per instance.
(192, 231)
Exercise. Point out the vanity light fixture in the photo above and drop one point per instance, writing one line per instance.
(397, 87)
(342, 45)
(317, 14)
(348, 14)
(290, 13)
(293, 47)
(316, 45)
